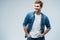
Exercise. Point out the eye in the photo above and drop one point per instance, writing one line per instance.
(37, 6)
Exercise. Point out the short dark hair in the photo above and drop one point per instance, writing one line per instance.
(39, 2)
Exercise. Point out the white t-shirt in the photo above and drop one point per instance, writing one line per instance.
(36, 26)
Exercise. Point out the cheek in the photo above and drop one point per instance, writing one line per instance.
(37, 8)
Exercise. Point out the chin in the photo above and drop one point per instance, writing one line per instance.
(36, 10)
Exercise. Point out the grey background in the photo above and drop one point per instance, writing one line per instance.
(12, 13)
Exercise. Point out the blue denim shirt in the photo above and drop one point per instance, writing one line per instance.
(29, 20)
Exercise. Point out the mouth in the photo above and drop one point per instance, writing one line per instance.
(36, 9)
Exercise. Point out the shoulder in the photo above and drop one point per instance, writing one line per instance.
(45, 16)
(30, 13)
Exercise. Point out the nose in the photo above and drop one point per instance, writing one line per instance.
(36, 7)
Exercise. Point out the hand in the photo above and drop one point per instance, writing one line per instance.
(40, 35)
(28, 35)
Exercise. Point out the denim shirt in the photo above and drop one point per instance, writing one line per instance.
(29, 20)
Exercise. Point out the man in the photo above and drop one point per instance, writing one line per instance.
(35, 23)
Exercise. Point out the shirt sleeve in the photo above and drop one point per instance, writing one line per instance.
(47, 23)
(25, 21)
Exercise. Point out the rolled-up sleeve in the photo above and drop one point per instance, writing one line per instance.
(25, 22)
(47, 23)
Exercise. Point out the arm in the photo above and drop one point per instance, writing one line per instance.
(47, 23)
(25, 23)
(48, 27)
(25, 30)
(46, 31)
(26, 33)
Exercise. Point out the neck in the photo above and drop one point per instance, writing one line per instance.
(38, 13)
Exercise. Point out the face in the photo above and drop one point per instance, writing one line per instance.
(37, 7)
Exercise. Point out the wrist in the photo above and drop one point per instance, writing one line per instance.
(26, 33)
(43, 33)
